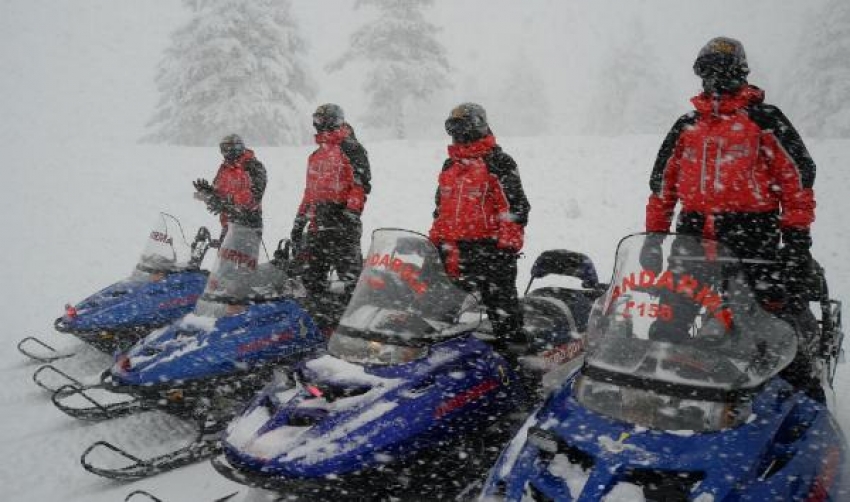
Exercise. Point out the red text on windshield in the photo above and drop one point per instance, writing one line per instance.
(408, 272)
(238, 257)
(684, 284)
(160, 237)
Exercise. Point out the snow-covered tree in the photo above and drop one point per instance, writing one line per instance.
(523, 103)
(820, 88)
(236, 67)
(406, 64)
(633, 95)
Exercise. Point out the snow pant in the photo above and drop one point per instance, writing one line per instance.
(491, 272)
(326, 249)
(749, 236)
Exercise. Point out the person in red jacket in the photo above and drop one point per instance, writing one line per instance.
(480, 217)
(742, 176)
(236, 192)
(327, 228)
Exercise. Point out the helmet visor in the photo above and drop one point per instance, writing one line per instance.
(231, 151)
(719, 64)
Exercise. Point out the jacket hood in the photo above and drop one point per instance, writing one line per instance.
(726, 104)
(248, 155)
(334, 137)
(476, 149)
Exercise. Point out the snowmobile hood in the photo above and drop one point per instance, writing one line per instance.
(343, 417)
(196, 347)
(565, 452)
(136, 302)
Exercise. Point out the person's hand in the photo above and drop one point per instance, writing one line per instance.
(651, 257)
(511, 236)
(202, 186)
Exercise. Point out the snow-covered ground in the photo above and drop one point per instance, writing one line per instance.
(78, 219)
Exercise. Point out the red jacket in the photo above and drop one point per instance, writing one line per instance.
(735, 154)
(480, 196)
(241, 183)
(337, 172)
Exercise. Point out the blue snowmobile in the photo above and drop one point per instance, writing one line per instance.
(681, 395)
(163, 287)
(206, 365)
(411, 395)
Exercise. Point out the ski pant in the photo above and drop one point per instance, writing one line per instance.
(337, 248)
(491, 272)
(765, 282)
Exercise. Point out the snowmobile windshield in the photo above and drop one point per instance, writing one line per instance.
(236, 279)
(403, 301)
(680, 339)
(166, 250)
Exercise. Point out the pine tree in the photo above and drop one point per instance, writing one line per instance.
(406, 62)
(820, 88)
(236, 67)
(633, 97)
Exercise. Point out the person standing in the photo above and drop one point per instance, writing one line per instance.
(743, 177)
(327, 229)
(236, 192)
(480, 218)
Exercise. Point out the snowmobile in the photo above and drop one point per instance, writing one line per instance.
(206, 365)
(412, 394)
(681, 395)
(163, 287)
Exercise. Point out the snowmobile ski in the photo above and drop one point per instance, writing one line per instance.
(66, 379)
(30, 346)
(200, 448)
(92, 409)
(143, 495)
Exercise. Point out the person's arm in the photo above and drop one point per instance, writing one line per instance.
(514, 206)
(362, 175)
(504, 168)
(791, 167)
(662, 182)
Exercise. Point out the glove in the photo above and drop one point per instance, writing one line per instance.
(651, 257)
(795, 259)
(511, 236)
(202, 186)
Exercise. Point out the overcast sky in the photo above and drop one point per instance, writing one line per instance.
(84, 69)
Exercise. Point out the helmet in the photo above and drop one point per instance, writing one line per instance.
(232, 147)
(722, 65)
(467, 123)
(328, 117)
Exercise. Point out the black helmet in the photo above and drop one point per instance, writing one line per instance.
(467, 122)
(328, 117)
(232, 147)
(722, 65)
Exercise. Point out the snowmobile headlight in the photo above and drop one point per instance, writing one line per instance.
(174, 395)
(363, 351)
(123, 363)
